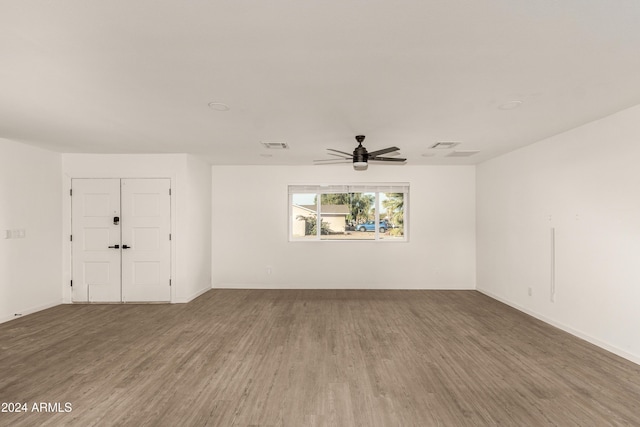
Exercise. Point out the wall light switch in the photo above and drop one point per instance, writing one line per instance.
(7, 234)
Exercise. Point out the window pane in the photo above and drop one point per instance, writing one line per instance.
(348, 212)
(334, 211)
(392, 215)
(345, 216)
(303, 216)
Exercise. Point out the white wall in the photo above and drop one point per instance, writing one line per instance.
(585, 184)
(190, 181)
(250, 231)
(194, 249)
(30, 195)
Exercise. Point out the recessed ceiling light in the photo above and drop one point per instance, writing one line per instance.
(511, 105)
(219, 106)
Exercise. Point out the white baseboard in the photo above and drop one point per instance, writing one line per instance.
(192, 296)
(25, 312)
(368, 286)
(595, 341)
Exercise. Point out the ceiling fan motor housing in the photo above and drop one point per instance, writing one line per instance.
(360, 154)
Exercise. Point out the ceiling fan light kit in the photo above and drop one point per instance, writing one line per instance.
(360, 157)
(360, 166)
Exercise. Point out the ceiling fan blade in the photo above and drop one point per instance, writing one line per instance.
(383, 151)
(342, 156)
(330, 162)
(387, 159)
(333, 160)
(341, 152)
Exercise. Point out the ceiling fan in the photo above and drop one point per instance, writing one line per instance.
(360, 156)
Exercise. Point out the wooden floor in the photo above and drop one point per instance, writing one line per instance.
(310, 358)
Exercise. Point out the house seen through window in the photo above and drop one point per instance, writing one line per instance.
(348, 212)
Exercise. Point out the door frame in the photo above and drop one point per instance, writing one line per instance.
(67, 257)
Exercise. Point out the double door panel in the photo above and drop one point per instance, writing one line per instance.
(121, 240)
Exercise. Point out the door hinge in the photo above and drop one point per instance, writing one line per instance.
(169, 236)
(72, 283)
(169, 191)
(169, 282)
(71, 237)
(71, 191)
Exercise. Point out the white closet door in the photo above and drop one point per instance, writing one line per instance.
(146, 246)
(95, 240)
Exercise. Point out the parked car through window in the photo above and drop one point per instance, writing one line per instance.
(369, 226)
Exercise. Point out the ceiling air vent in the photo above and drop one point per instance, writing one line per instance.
(444, 145)
(466, 153)
(275, 145)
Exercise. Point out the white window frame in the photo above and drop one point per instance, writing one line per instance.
(377, 188)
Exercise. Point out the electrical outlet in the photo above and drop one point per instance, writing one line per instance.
(269, 270)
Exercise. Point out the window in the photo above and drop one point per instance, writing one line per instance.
(348, 212)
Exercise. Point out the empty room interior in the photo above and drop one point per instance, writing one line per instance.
(346, 213)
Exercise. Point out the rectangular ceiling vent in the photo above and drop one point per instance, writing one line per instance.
(465, 153)
(275, 145)
(444, 145)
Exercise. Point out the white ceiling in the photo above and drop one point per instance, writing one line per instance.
(123, 76)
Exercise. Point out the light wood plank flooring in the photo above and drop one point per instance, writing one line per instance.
(311, 358)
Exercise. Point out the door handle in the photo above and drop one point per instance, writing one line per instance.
(126, 247)
(114, 247)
